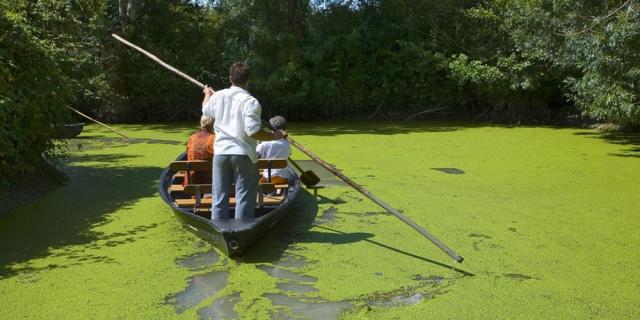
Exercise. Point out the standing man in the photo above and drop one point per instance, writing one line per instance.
(237, 129)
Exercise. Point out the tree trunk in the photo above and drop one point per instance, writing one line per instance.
(119, 18)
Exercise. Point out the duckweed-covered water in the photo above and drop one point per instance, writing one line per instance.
(547, 220)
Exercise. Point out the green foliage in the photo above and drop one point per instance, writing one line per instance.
(185, 36)
(32, 98)
(346, 59)
(609, 88)
(593, 45)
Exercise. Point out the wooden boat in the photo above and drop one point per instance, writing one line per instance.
(69, 130)
(193, 209)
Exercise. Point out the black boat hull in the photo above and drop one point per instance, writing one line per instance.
(231, 236)
(70, 130)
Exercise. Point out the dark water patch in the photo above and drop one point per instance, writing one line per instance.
(428, 279)
(289, 260)
(401, 300)
(328, 216)
(428, 287)
(519, 277)
(200, 261)
(449, 170)
(296, 288)
(327, 179)
(312, 308)
(200, 288)
(513, 229)
(286, 274)
(222, 308)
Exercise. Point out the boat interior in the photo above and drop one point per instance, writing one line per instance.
(191, 188)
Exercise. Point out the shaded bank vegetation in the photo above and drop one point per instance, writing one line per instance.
(499, 60)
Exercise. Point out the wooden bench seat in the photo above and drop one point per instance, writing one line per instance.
(193, 189)
(206, 202)
(176, 188)
(183, 168)
(206, 165)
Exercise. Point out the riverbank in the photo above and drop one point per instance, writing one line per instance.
(27, 190)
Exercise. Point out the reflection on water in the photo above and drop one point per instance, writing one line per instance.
(432, 279)
(292, 261)
(328, 216)
(296, 288)
(200, 261)
(400, 300)
(313, 308)
(222, 308)
(327, 179)
(286, 274)
(297, 297)
(200, 287)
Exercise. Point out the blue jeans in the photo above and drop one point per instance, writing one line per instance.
(238, 168)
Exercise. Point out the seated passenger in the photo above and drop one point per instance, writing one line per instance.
(200, 147)
(276, 149)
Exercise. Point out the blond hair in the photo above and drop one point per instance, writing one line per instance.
(206, 123)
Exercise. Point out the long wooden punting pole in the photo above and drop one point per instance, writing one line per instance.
(325, 165)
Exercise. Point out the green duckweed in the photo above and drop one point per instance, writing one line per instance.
(546, 219)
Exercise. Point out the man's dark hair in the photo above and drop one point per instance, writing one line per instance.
(239, 73)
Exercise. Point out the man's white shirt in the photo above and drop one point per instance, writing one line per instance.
(236, 117)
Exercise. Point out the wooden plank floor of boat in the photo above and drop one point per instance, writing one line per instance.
(206, 202)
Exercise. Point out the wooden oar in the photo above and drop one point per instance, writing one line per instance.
(325, 165)
(98, 122)
(309, 178)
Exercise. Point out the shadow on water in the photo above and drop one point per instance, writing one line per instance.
(85, 143)
(629, 140)
(293, 227)
(379, 127)
(463, 272)
(64, 217)
(173, 127)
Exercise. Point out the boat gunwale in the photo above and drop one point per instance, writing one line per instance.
(244, 225)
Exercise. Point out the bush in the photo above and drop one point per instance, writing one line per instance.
(32, 100)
